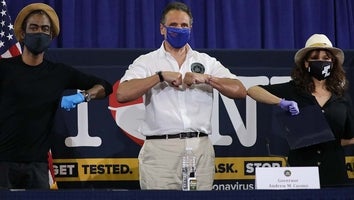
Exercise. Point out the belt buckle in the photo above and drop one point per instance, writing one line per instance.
(182, 136)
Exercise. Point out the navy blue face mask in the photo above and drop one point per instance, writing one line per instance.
(320, 69)
(177, 37)
(36, 43)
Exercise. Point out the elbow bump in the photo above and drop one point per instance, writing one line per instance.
(120, 98)
(241, 92)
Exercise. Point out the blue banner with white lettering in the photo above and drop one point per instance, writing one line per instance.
(97, 144)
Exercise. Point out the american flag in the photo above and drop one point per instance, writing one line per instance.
(9, 46)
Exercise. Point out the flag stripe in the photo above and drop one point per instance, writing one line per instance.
(15, 50)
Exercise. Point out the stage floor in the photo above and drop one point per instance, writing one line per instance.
(328, 193)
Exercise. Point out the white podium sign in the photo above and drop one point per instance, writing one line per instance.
(285, 178)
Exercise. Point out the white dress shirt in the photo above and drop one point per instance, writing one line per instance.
(171, 110)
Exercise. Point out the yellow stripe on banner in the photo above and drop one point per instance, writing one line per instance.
(233, 168)
(126, 169)
(96, 169)
(349, 160)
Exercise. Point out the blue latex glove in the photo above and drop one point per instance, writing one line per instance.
(290, 106)
(69, 102)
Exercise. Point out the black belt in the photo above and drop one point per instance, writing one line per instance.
(179, 135)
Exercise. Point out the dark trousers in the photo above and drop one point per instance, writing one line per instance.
(24, 175)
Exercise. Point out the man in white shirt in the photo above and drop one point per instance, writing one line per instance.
(178, 85)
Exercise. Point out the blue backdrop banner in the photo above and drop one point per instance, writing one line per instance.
(97, 144)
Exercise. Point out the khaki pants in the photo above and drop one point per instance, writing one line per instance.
(160, 163)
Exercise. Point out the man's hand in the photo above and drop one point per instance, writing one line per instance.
(173, 78)
(191, 78)
(69, 102)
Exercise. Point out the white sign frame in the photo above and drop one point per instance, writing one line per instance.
(286, 178)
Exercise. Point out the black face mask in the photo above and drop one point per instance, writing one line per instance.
(320, 69)
(36, 43)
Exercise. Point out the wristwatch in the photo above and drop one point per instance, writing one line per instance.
(87, 96)
(159, 73)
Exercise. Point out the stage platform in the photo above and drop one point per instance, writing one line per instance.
(328, 193)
